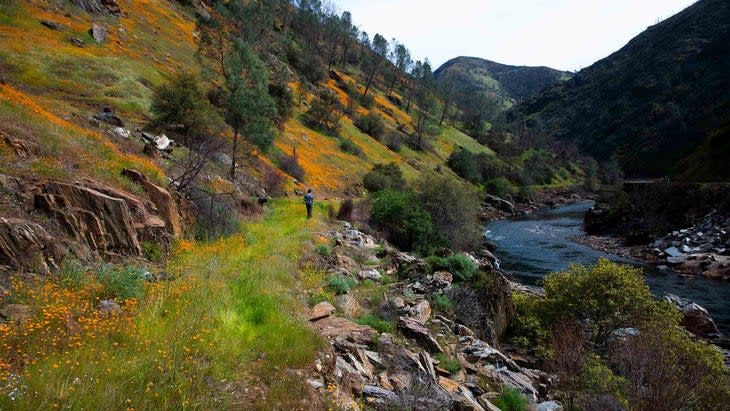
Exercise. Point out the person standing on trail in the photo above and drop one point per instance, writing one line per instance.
(309, 202)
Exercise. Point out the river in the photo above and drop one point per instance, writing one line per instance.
(533, 246)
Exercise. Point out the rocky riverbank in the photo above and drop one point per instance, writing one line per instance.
(405, 337)
(495, 208)
(700, 249)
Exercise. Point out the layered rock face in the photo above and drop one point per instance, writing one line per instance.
(85, 218)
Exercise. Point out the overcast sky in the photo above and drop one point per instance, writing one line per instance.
(563, 34)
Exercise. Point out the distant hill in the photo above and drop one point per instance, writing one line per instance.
(508, 84)
(660, 104)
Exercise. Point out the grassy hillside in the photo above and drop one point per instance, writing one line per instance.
(659, 100)
(231, 319)
(52, 87)
(508, 84)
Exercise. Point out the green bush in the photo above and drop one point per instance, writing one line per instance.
(284, 99)
(371, 124)
(499, 186)
(367, 100)
(180, 107)
(393, 141)
(604, 297)
(463, 163)
(320, 297)
(153, 251)
(461, 266)
(384, 176)
(323, 250)
(351, 148)
(121, 283)
(376, 322)
(511, 400)
(325, 112)
(453, 206)
(406, 225)
(451, 365)
(442, 303)
(340, 285)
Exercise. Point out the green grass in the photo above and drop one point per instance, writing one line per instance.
(451, 365)
(511, 400)
(340, 285)
(234, 300)
(376, 322)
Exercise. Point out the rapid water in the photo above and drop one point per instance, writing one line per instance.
(533, 246)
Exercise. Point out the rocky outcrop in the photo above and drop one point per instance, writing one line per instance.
(99, 6)
(28, 246)
(163, 200)
(695, 318)
(87, 217)
(102, 221)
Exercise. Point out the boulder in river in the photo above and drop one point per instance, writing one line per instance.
(695, 318)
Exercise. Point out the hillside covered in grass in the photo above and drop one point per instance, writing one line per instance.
(657, 106)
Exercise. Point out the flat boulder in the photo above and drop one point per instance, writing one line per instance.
(348, 305)
(17, 313)
(98, 33)
(420, 334)
(336, 327)
(321, 310)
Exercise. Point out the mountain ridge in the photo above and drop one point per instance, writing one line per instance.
(656, 105)
(513, 83)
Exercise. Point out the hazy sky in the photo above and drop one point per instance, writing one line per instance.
(563, 34)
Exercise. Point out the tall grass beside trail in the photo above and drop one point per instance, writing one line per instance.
(227, 322)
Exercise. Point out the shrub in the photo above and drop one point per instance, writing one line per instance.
(290, 165)
(604, 297)
(320, 297)
(181, 107)
(384, 176)
(371, 124)
(453, 206)
(312, 69)
(665, 368)
(325, 112)
(463, 163)
(376, 322)
(527, 328)
(442, 303)
(393, 141)
(499, 186)
(406, 225)
(323, 250)
(345, 211)
(340, 285)
(451, 365)
(122, 284)
(367, 100)
(351, 148)
(153, 251)
(467, 307)
(461, 266)
(215, 215)
(511, 400)
(74, 275)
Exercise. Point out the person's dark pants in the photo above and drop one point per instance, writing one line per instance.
(309, 210)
